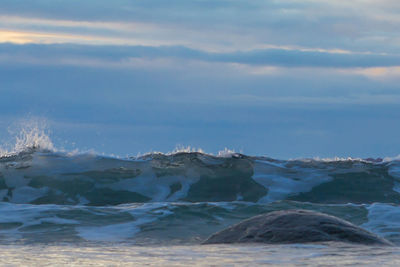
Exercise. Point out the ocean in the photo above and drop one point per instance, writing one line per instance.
(156, 209)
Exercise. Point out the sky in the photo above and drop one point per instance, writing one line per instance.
(285, 79)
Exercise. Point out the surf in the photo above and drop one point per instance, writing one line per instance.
(52, 195)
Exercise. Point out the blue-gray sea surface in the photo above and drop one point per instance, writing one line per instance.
(86, 209)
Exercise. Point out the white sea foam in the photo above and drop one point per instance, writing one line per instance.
(33, 137)
(159, 189)
(25, 215)
(185, 149)
(142, 214)
(226, 153)
(282, 182)
(30, 134)
(389, 159)
(334, 159)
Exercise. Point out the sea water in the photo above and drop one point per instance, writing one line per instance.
(156, 209)
(117, 254)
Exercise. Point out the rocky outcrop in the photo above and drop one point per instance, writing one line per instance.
(295, 226)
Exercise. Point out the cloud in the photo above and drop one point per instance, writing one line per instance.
(222, 25)
(377, 73)
(127, 77)
(268, 76)
(265, 58)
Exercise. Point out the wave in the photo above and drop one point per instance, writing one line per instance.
(37, 176)
(168, 223)
(48, 195)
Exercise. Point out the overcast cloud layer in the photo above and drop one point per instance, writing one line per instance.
(279, 78)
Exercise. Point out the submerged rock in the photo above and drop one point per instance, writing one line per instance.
(295, 226)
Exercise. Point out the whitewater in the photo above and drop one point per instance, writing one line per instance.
(60, 207)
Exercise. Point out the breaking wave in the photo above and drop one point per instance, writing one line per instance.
(37, 176)
(182, 196)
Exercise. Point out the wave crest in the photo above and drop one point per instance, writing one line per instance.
(61, 178)
(29, 136)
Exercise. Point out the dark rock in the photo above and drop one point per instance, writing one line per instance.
(295, 226)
